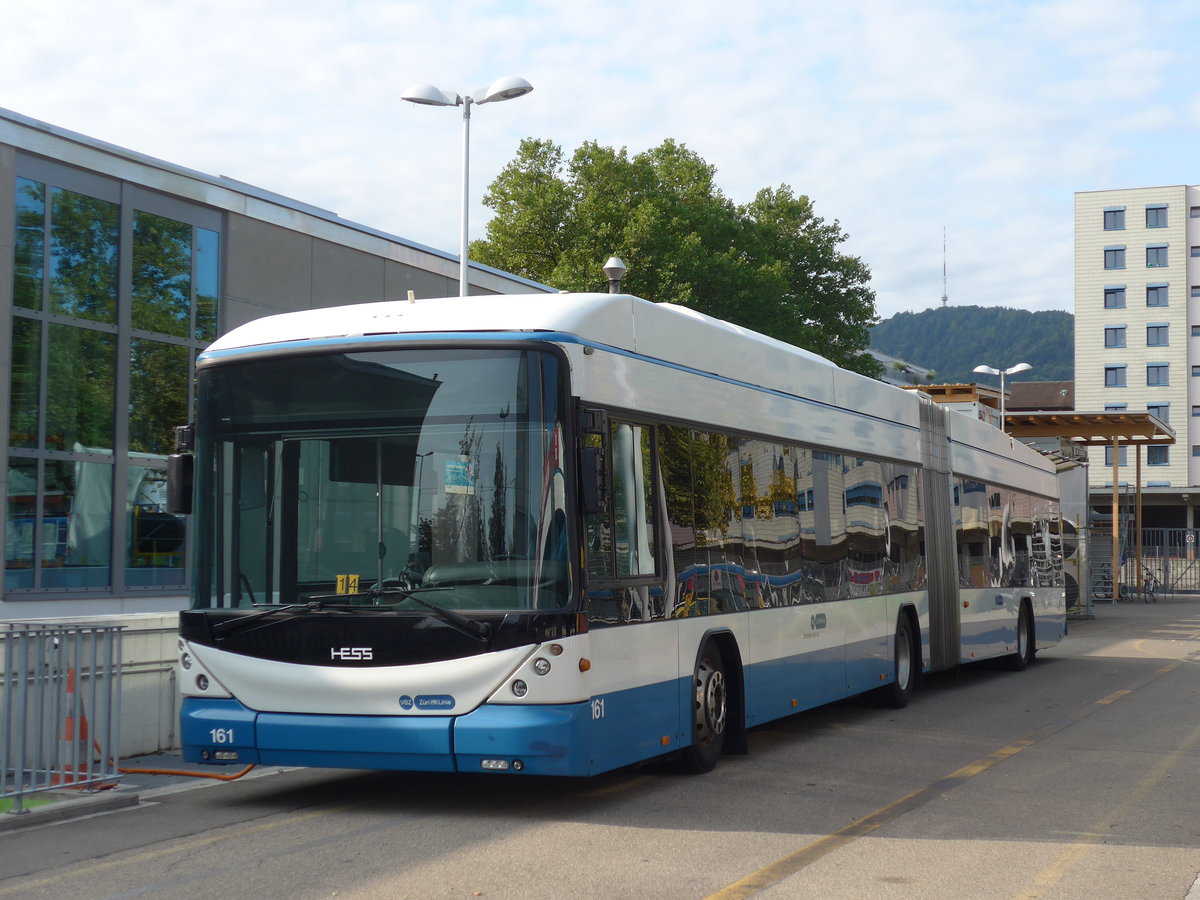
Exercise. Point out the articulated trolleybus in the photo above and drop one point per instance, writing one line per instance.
(560, 534)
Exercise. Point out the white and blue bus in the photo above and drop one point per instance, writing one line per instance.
(560, 534)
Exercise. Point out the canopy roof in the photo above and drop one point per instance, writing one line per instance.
(1091, 428)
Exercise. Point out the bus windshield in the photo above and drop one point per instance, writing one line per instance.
(379, 477)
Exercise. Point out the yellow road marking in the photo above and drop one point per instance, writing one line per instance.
(777, 871)
(1057, 870)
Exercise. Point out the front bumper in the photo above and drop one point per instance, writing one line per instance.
(538, 740)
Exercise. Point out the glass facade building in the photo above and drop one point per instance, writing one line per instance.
(116, 270)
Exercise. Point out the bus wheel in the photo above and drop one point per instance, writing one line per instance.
(710, 709)
(1026, 642)
(897, 694)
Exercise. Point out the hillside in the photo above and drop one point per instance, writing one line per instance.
(954, 340)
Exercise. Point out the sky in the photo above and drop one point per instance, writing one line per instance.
(902, 121)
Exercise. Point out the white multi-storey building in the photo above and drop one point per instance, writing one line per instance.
(1137, 339)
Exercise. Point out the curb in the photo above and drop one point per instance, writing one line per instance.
(74, 808)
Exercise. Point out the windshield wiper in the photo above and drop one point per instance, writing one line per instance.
(242, 620)
(472, 628)
(313, 604)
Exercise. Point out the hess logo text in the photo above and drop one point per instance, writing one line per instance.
(350, 653)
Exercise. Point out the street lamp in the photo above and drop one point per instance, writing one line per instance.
(988, 370)
(507, 88)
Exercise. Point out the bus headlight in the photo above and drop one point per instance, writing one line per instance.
(520, 688)
(541, 666)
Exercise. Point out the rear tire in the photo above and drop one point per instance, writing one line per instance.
(710, 712)
(897, 694)
(1026, 643)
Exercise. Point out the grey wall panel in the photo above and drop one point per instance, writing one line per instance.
(267, 264)
(342, 275)
(236, 311)
(399, 279)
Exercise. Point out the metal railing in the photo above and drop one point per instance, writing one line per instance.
(60, 708)
(1170, 563)
(1170, 560)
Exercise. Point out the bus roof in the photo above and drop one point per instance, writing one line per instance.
(674, 334)
(613, 319)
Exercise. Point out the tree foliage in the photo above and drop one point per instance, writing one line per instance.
(771, 265)
(955, 340)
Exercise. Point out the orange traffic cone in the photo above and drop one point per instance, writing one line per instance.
(72, 743)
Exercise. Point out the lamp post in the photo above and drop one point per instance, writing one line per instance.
(1013, 370)
(507, 88)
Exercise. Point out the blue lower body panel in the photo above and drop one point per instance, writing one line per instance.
(546, 740)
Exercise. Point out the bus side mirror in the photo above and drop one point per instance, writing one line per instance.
(181, 468)
(592, 481)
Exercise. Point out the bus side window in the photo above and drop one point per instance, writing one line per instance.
(598, 525)
(621, 538)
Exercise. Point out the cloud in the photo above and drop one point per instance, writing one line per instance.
(896, 119)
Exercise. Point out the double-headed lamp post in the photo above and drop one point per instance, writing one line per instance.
(988, 370)
(507, 88)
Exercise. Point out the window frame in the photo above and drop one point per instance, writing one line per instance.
(120, 574)
(1159, 370)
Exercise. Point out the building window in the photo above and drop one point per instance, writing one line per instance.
(1157, 374)
(1114, 298)
(1196, 411)
(1196, 331)
(1157, 295)
(1195, 371)
(75, 481)
(1196, 290)
(1195, 251)
(1123, 456)
(1114, 376)
(1195, 449)
(1157, 335)
(1114, 257)
(1156, 256)
(1115, 407)
(1158, 455)
(1161, 410)
(1114, 219)
(1156, 216)
(1114, 336)
(1194, 212)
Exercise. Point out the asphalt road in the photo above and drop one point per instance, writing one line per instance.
(1079, 778)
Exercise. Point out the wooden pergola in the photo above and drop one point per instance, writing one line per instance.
(1101, 429)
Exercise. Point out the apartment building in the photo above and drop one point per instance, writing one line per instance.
(1137, 338)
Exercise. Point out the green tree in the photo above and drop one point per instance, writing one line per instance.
(955, 339)
(771, 265)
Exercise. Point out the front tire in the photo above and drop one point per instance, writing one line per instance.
(710, 712)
